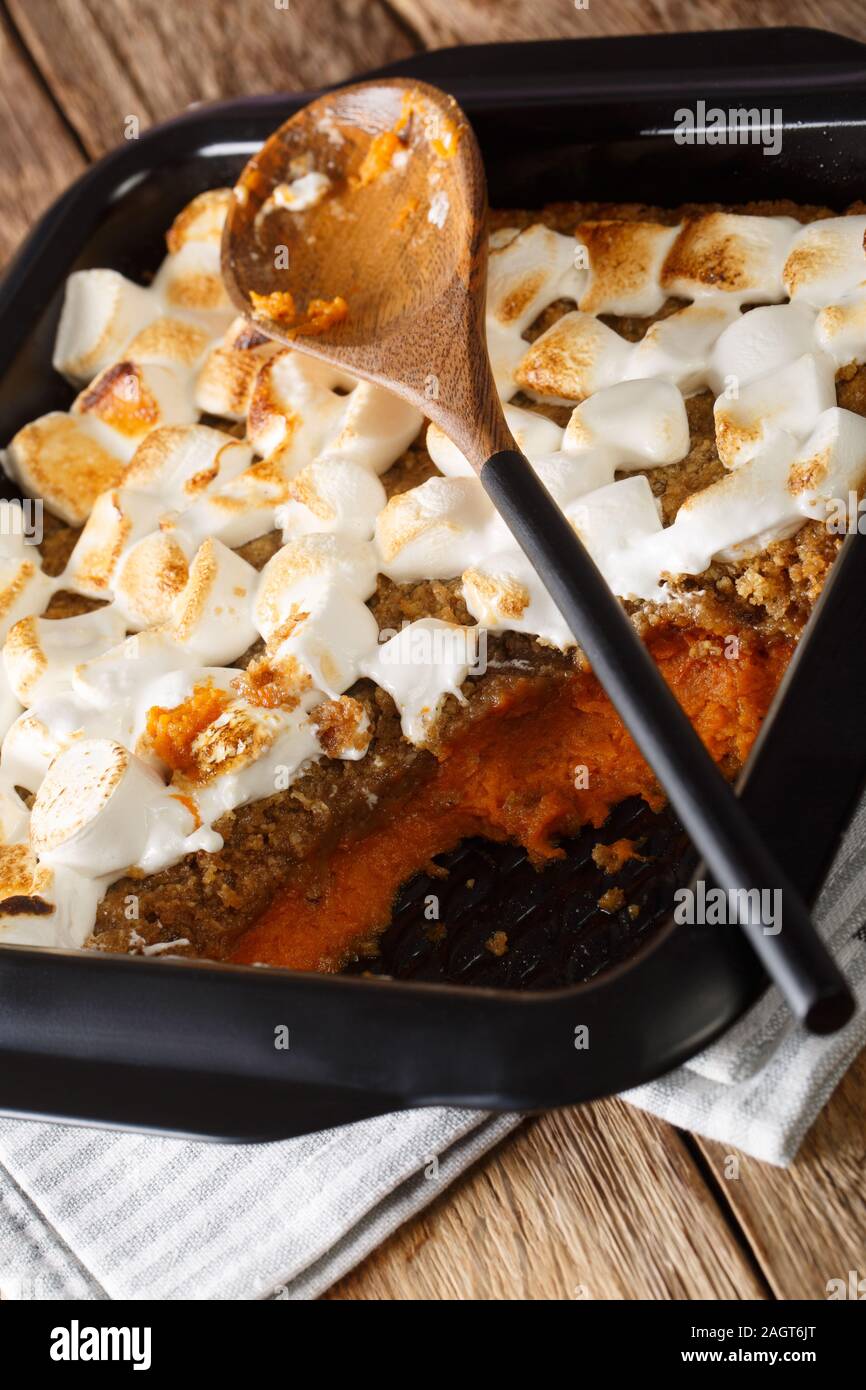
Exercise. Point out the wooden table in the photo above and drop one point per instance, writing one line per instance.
(597, 1202)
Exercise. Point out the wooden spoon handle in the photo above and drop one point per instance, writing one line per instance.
(720, 828)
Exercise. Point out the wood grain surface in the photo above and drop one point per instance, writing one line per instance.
(601, 1202)
(151, 58)
(38, 154)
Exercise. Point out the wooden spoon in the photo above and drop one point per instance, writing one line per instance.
(384, 275)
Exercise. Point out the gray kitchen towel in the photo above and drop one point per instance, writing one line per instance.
(89, 1214)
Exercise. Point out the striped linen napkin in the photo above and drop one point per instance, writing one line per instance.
(96, 1215)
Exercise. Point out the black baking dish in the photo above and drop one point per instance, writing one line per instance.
(188, 1047)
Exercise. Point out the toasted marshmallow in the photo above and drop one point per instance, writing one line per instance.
(39, 654)
(169, 342)
(10, 706)
(525, 276)
(15, 530)
(533, 434)
(332, 494)
(740, 514)
(725, 253)
(102, 312)
(826, 260)
(150, 576)
(328, 631)
(840, 329)
(130, 399)
(111, 683)
(643, 422)
(65, 461)
(830, 465)
(677, 349)
(790, 399)
(321, 559)
(568, 476)
(422, 664)
(40, 734)
(503, 593)
(225, 383)
(611, 521)
(202, 219)
(25, 886)
(247, 753)
(575, 357)
(295, 407)
(190, 284)
(376, 427)
(212, 615)
(242, 508)
(93, 810)
(436, 530)
(180, 463)
(759, 342)
(14, 816)
(625, 262)
(24, 589)
(119, 518)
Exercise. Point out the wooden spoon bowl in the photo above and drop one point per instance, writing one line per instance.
(399, 236)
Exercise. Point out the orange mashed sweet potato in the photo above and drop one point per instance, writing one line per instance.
(550, 757)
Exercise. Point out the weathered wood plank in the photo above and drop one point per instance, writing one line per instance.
(597, 1203)
(806, 1224)
(38, 155)
(150, 58)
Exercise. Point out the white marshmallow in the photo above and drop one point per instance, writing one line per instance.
(296, 408)
(503, 593)
(24, 590)
(241, 509)
(677, 349)
(212, 615)
(14, 816)
(789, 399)
(180, 463)
(375, 428)
(826, 260)
(189, 282)
(533, 433)
(39, 654)
(840, 329)
(331, 634)
(332, 494)
(830, 465)
(761, 341)
(92, 811)
(642, 422)
(102, 311)
(119, 518)
(419, 666)
(150, 576)
(130, 399)
(436, 530)
(614, 519)
(524, 276)
(111, 683)
(320, 559)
